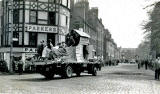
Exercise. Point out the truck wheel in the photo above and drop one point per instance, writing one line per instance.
(68, 72)
(94, 71)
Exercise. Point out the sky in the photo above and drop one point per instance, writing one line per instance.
(123, 18)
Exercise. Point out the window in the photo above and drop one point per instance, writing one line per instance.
(64, 2)
(53, 1)
(33, 39)
(58, 1)
(66, 20)
(67, 3)
(42, 17)
(17, 0)
(52, 37)
(16, 40)
(52, 18)
(15, 16)
(33, 17)
(43, 0)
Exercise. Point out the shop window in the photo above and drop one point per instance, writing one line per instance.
(33, 39)
(15, 16)
(52, 18)
(33, 17)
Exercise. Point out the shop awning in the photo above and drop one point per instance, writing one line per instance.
(81, 33)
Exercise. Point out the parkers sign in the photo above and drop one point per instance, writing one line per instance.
(41, 28)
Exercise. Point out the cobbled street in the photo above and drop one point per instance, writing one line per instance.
(121, 79)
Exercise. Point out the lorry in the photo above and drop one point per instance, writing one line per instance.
(79, 58)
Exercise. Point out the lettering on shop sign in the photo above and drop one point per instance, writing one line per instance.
(32, 50)
(40, 28)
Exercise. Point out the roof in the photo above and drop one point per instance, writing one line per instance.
(82, 34)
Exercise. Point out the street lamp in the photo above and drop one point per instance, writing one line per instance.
(11, 38)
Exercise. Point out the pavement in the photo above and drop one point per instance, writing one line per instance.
(121, 79)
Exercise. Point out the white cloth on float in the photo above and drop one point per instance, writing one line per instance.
(46, 52)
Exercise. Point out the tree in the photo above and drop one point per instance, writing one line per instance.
(143, 50)
(152, 28)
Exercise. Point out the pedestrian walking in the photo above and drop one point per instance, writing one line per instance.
(20, 66)
(157, 68)
(146, 64)
(139, 63)
(110, 62)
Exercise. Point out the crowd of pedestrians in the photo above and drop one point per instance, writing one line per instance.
(153, 64)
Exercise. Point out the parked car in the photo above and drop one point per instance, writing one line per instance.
(133, 61)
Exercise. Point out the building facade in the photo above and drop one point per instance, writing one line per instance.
(79, 20)
(128, 53)
(98, 28)
(82, 16)
(0, 22)
(33, 21)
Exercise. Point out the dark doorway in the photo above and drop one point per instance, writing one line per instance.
(85, 52)
(52, 37)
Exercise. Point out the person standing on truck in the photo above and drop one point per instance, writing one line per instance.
(47, 50)
(40, 49)
(62, 49)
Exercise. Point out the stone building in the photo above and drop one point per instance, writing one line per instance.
(0, 22)
(128, 53)
(82, 16)
(79, 19)
(33, 21)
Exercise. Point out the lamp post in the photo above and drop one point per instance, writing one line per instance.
(58, 28)
(11, 39)
(84, 14)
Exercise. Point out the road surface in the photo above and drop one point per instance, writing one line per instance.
(121, 79)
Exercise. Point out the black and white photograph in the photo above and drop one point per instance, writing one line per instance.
(79, 46)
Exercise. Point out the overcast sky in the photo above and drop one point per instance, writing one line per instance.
(123, 18)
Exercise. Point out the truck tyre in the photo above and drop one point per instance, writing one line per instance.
(67, 72)
(94, 71)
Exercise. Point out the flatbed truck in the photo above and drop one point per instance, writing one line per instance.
(75, 62)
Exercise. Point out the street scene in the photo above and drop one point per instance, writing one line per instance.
(79, 47)
(121, 79)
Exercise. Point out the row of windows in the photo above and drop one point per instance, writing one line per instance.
(62, 2)
(33, 39)
(35, 17)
